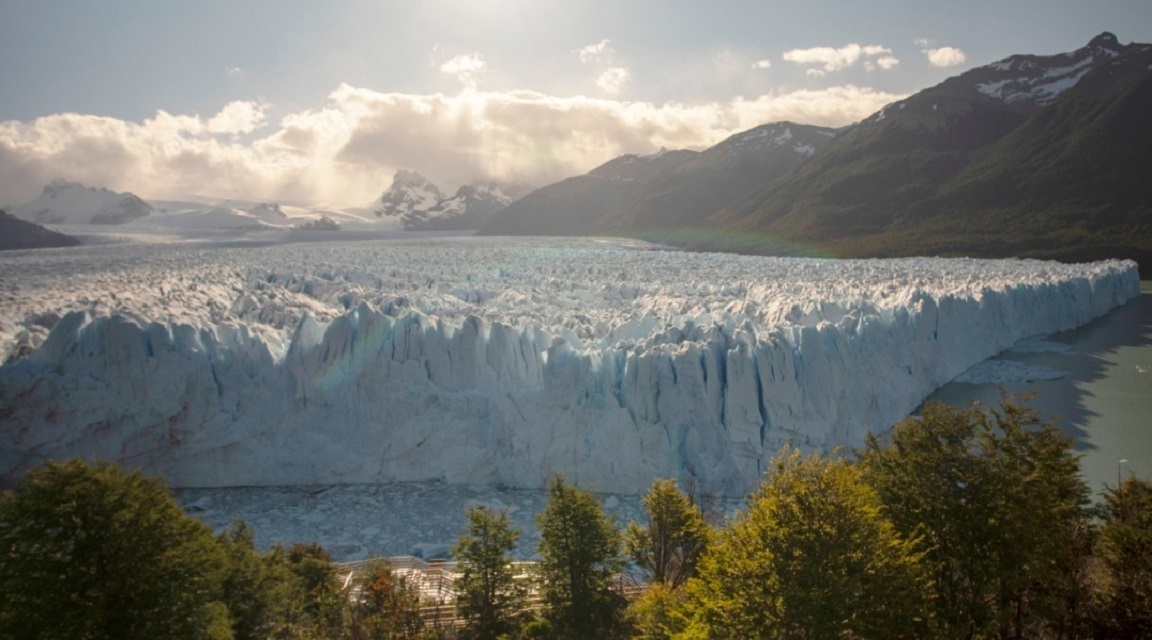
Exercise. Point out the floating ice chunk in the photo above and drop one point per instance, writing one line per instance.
(1008, 372)
(1040, 345)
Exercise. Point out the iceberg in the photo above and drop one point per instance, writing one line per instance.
(492, 361)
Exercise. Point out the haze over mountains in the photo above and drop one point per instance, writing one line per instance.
(417, 205)
(1041, 156)
(1031, 156)
(669, 189)
(64, 202)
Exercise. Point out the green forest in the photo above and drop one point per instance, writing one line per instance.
(960, 523)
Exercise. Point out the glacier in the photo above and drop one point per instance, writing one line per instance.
(493, 361)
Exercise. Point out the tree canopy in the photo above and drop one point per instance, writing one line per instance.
(489, 597)
(669, 546)
(1124, 548)
(812, 556)
(89, 552)
(999, 501)
(580, 553)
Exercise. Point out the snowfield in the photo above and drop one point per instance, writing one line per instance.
(492, 361)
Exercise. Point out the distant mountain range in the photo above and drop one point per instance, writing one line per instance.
(1032, 156)
(64, 202)
(664, 191)
(417, 205)
(72, 204)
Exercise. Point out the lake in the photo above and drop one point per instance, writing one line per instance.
(1104, 398)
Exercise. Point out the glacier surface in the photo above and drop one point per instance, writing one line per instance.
(492, 361)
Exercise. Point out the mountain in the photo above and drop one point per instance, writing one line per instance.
(1032, 156)
(417, 204)
(21, 234)
(660, 194)
(719, 177)
(269, 212)
(64, 202)
(577, 205)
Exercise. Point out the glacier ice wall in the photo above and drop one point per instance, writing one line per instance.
(477, 362)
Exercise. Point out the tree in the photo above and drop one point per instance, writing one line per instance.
(89, 551)
(676, 534)
(386, 606)
(811, 557)
(324, 603)
(653, 615)
(1000, 503)
(489, 597)
(261, 591)
(580, 553)
(1124, 549)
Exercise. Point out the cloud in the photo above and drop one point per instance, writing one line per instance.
(466, 67)
(762, 64)
(921, 42)
(612, 80)
(593, 51)
(886, 63)
(832, 59)
(237, 118)
(346, 150)
(945, 57)
(235, 72)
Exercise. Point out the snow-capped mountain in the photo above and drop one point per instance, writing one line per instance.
(64, 202)
(803, 140)
(1036, 156)
(410, 192)
(417, 204)
(204, 214)
(1019, 84)
(641, 168)
(1038, 80)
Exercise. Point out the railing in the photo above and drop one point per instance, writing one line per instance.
(435, 582)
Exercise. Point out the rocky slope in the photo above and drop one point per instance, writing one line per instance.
(21, 234)
(577, 205)
(1031, 156)
(1034, 156)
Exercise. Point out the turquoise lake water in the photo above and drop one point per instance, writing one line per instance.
(1105, 399)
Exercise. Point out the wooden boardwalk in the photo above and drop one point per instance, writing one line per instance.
(435, 581)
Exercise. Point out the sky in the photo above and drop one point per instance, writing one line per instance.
(320, 102)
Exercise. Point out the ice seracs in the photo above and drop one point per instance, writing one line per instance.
(492, 361)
